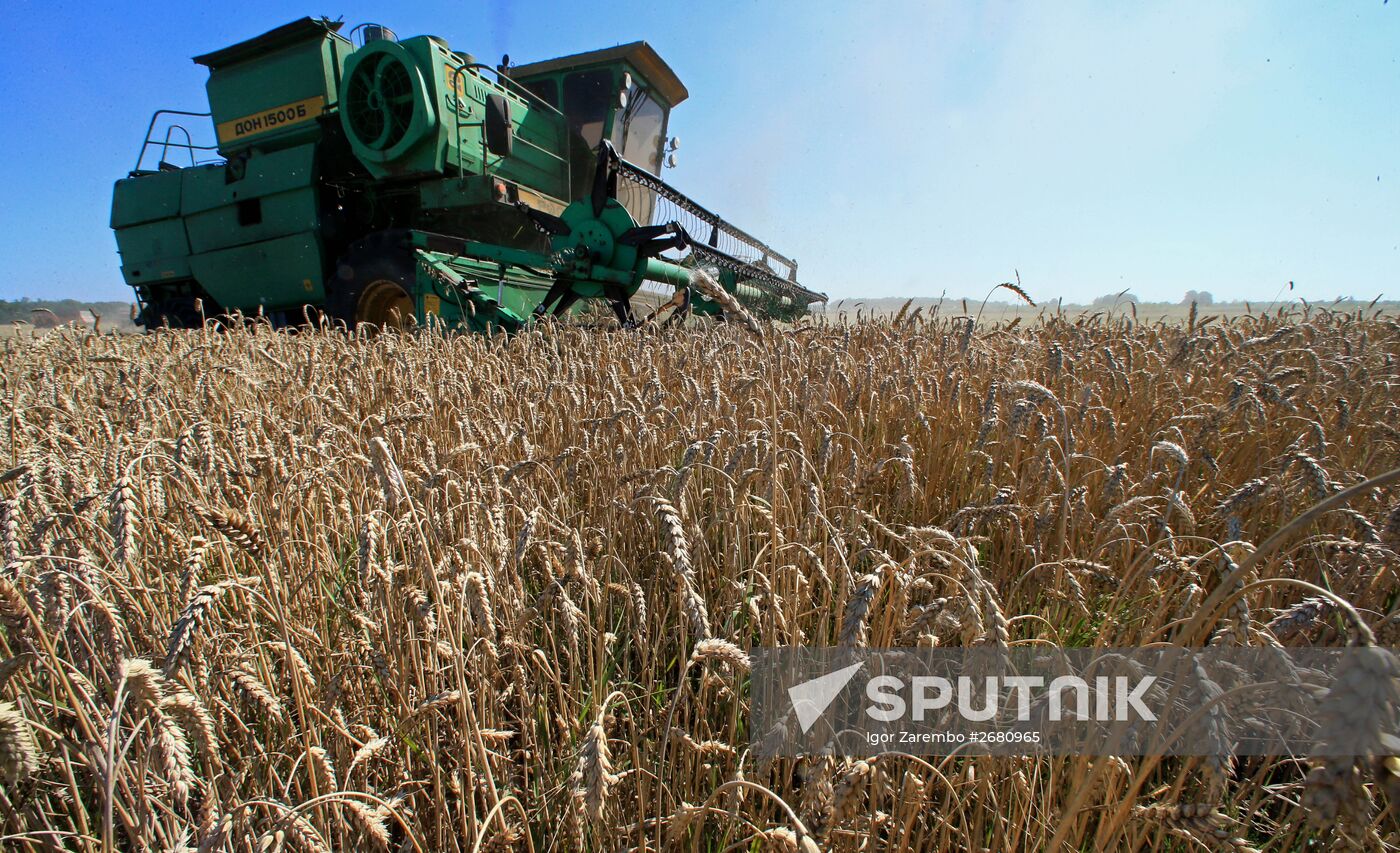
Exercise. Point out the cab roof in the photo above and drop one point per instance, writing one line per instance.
(639, 54)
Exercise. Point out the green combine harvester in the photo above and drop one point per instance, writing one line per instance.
(383, 181)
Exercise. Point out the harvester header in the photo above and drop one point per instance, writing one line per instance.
(386, 181)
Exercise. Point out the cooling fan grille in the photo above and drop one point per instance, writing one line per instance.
(379, 101)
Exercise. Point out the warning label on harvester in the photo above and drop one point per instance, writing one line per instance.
(271, 119)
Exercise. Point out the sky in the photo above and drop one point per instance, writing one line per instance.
(892, 148)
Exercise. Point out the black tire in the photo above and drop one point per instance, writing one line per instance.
(373, 284)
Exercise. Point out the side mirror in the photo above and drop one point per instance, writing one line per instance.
(500, 136)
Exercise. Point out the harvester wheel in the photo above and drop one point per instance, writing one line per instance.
(372, 286)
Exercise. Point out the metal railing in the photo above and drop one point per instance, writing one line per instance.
(363, 34)
(167, 143)
(510, 87)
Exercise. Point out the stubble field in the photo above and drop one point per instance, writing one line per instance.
(264, 591)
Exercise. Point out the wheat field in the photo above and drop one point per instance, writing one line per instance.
(422, 591)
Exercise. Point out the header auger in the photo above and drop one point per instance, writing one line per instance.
(390, 181)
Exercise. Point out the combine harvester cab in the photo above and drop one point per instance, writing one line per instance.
(385, 181)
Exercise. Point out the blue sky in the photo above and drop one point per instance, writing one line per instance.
(893, 148)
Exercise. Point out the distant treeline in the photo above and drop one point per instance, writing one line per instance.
(52, 312)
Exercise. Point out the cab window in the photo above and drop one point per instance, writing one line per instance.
(545, 90)
(637, 132)
(587, 97)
